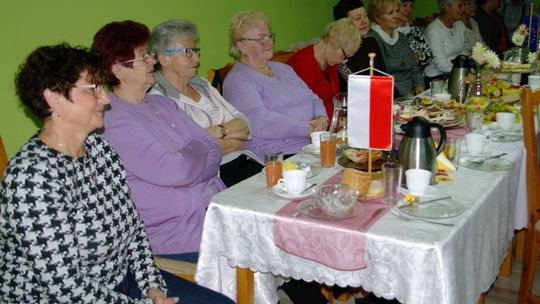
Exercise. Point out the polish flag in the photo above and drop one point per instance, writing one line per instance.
(369, 113)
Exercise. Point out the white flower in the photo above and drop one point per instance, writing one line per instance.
(478, 53)
(492, 60)
(532, 57)
(518, 39)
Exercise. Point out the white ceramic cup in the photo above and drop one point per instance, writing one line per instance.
(316, 139)
(534, 82)
(417, 180)
(476, 142)
(505, 120)
(293, 181)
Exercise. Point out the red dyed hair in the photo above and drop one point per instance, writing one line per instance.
(116, 42)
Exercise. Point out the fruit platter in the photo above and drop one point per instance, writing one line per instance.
(500, 90)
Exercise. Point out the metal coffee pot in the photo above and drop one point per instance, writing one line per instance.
(417, 148)
(457, 87)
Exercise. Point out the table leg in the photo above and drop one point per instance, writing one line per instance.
(520, 244)
(507, 263)
(244, 286)
(482, 299)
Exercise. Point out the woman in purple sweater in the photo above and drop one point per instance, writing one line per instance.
(171, 162)
(282, 110)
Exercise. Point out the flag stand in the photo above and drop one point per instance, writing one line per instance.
(371, 64)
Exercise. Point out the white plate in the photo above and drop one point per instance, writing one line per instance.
(310, 149)
(310, 208)
(443, 209)
(314, 169)
(286, 195)
(498, 164)
(430, 192)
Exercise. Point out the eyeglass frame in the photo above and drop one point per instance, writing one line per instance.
(266, 37)
(345, 56)
(145, 57)
(96, 88)
(188, 51)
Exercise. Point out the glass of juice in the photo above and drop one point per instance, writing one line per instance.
(328, 149)
(273, 166)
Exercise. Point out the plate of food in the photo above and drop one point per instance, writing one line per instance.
(446, 113)
(358, 159)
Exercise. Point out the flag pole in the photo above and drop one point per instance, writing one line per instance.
(530, 25)
(371, 64)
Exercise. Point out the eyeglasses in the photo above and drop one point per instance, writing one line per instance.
(345, 56)
(188, 51)
(262, 39)
(145, 57)
(96, 89)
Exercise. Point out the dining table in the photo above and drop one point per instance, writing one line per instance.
(250, 230)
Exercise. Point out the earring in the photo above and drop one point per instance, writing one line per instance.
(57, 114)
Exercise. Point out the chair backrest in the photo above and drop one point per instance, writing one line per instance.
(217, 76)
(530, 102)
(3, 159)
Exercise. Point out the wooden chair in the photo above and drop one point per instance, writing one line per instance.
(217, 76)
(3, 159)
(182, 269)
(530, 102)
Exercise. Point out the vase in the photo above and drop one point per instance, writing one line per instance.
(476, 86)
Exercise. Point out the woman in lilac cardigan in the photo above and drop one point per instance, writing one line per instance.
(282, 110)
(171, 162)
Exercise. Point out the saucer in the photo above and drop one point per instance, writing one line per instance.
(498, 164)
(310, 149)
(515, 128)
(485, 151)
(286, 195)
(310, 208)
(430, 192)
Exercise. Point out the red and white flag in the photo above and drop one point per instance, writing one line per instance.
(369, 113)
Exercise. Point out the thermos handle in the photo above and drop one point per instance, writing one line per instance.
(442, 140)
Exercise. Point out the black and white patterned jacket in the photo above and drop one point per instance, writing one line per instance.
(69, 231)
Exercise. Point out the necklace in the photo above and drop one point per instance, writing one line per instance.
(47, 137)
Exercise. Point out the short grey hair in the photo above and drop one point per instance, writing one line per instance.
(165, 35)
(449, 2)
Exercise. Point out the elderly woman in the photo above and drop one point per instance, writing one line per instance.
(472, 32)
(176, 43)
(171, 162)
(417, 41)
(356, 12)
(317, 64)
(400, 61)
(69, 230)
(445, 36)
(282, 110)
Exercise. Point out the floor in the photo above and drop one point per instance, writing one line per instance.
(504, 291)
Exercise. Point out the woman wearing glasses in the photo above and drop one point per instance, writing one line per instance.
(317, 64)
(175, 43)
(68, 228)
(171, 162)
(282, 110)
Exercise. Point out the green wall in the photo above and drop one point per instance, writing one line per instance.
(27, 24)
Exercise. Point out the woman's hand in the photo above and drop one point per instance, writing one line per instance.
(229, 145)
(318, 124)
(159, 297)
(237, 130)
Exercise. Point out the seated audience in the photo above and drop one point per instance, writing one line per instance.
(400, 61)
(417, 41)
(445, 36)
(176, 43)
(472, 32)
(317, 64)
(171, 162)
(282, 110)
(69, 230)
(355, 10)
(491, 25)
(512, 13)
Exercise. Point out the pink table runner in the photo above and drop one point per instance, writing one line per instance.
(335, 243)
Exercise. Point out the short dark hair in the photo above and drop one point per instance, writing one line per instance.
(116, 41)
(343, 7)
(56, 68)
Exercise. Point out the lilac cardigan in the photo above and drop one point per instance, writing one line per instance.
(171, 166)
(278, 107)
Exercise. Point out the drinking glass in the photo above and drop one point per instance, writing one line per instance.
(474, 121)
(274, 167)
(391, 173)
(328, 149)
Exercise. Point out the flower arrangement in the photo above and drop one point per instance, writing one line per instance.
(518, 37)
(484, 58)
(532, 57)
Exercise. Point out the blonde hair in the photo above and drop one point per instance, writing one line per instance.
(341, 33)
(375, 7)
(242, 22)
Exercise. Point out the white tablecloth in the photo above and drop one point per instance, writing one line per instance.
(414, 262)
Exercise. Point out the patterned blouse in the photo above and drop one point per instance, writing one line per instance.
(68, 229)
(419, 45)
